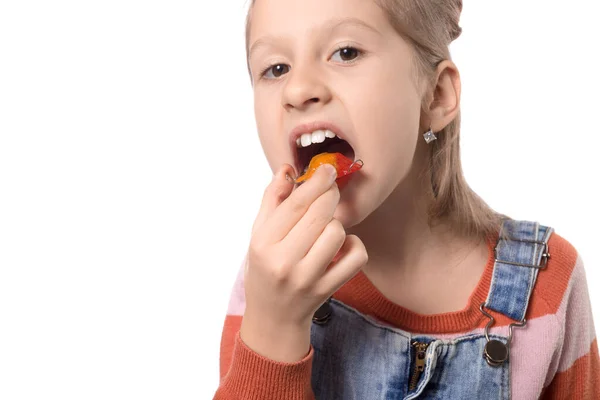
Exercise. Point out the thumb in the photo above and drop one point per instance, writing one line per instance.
(275, 193)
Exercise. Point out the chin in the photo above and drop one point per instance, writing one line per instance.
(348, 213)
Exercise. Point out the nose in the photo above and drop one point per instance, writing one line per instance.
(304, 88)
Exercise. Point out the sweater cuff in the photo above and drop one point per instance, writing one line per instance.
(253, 376)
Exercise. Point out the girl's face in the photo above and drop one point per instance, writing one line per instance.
(337, 61)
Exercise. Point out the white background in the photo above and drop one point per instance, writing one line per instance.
(131, 173)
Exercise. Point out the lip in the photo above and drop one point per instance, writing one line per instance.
(309, 128)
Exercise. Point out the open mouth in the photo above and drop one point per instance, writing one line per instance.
(330, 145)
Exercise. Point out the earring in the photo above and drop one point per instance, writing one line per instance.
(429, 136)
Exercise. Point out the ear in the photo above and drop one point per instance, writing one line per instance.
(444, 102)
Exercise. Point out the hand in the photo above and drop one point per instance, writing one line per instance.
(289, 271)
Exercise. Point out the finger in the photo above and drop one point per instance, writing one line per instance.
(293, 208)
(305, 233)
(312, 267)
(275, 193)
(354, 257)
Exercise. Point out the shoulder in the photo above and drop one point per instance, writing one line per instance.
(554, 283)
(237, 298)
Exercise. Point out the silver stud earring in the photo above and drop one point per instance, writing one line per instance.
(429, 136)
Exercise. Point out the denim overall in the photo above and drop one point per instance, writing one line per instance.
(356, 358)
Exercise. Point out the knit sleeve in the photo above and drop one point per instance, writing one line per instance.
(245, 374)
(575, 371)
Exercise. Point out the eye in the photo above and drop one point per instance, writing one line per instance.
(348, 53)
(277, 70)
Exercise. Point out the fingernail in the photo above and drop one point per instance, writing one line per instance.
(289, 178)
(331, 171)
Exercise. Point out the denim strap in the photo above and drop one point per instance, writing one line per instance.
(511, 284)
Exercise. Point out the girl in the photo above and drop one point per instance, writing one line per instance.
(403, 283)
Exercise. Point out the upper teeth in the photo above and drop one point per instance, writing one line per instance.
(316, 137)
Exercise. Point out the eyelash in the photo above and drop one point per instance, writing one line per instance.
(341, 47)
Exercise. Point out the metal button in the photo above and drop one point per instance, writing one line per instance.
(495, 352)
(323, 314)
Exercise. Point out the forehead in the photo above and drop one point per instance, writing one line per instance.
(299, 18)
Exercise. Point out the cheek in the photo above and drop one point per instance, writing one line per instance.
(261, 111)
(268, 124)
(387, 120)
(384, 101)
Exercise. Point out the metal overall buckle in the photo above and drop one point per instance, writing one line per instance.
(323, 313)
(496, 352)
(545, 253)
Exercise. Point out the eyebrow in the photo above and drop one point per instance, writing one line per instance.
(332, 24)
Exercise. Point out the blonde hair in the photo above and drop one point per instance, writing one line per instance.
(430, 26)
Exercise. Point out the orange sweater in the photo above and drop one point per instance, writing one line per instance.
(555, 358)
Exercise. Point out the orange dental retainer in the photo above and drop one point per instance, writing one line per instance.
(343, 165)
